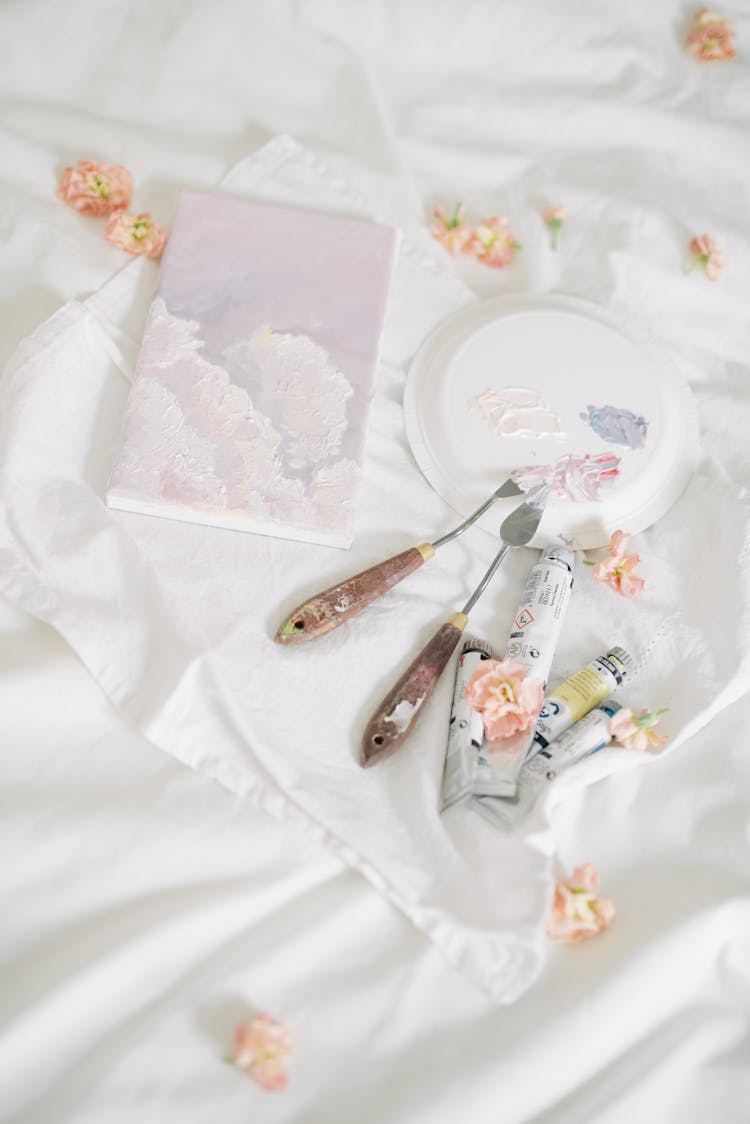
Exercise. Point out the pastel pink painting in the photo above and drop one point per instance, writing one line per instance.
(251, 396)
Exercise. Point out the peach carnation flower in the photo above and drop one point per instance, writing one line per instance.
(708, 255)
(262, 1047)
(554, 218)
(96, 189)
(617, 570)
(452, 231)
(636, 731)
(137, 234)
(494, 242)
(710, 38)
(577, 914)
(508, 699)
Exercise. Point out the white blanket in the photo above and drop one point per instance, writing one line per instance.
(572, 113)
(176, 621)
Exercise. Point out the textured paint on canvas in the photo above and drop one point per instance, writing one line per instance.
(252, 392)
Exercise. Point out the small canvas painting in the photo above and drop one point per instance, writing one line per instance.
(251, 397)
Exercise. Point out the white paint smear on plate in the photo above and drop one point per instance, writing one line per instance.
(516, 411)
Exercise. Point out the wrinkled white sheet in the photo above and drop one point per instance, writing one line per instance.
(442, 108)
(176, 621)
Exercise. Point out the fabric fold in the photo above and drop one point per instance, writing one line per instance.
(175, 621)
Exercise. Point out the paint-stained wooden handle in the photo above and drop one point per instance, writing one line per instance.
(399, 710)
(327, 610)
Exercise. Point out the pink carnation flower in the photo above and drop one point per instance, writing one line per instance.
(617, 570)
(262, 1047)
(494, 242)
(554, 218)
(708, 255)
(577, 914)
(96, 189)
(137, 234)
(710, 38)
(636, 731)
(508, 699)
(452, 231)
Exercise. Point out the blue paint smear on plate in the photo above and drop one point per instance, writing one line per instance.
(617, 425)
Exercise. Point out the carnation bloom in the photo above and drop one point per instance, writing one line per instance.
(617, 570)
(137, 234)
(262, 1047)
(494, 242)
(554, 218)
(710, 38)
(452, 231)
(96, 189)
(708, 255)
(577, 914)
(508, 699)
(636, 731)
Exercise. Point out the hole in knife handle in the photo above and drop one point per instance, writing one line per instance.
(299, 624)
(378, 739)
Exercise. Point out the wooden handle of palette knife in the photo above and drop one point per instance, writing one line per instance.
(399, 710)
(333, 607)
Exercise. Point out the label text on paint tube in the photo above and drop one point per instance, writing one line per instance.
(465, 731)
(561, 709)
(579, 694)
(532, 642)
(537, 624)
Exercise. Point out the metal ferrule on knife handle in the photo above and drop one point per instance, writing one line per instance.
(399, 710)
(327, 610)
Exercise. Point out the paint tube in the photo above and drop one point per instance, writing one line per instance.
(587, 736)
(579, 694)
(561, 709)
(465, 730)
(536, 628)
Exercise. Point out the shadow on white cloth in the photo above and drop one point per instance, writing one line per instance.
(175, 621)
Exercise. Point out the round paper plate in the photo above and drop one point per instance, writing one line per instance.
(551, 385)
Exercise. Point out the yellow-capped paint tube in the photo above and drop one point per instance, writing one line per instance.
(562, 708)
(568, 703)
(590, 734)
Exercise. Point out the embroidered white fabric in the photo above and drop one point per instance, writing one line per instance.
(176, 620)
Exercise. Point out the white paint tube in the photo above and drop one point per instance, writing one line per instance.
(587, 736)
(533, 638)
(465, 730)
(561, 709)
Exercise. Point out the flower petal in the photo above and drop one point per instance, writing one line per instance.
(576, 913)
(136, 234)
(262, 1047)
(96, 189)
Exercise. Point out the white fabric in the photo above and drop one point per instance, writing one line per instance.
(609, 126)
(176, 621)
(147, 911)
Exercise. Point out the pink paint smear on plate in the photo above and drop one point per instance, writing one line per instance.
(573, 476)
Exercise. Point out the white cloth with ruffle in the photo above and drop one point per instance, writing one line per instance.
(175, 621)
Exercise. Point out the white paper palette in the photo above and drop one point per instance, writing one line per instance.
(504, 384)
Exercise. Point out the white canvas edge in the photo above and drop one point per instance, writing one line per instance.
(227, 522)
